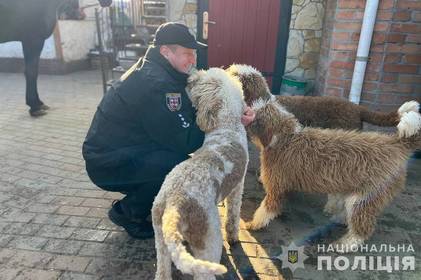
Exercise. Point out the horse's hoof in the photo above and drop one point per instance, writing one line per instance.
(37, 113)
(44, 107)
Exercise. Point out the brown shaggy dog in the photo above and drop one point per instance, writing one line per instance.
(315, 111)
(366, 169)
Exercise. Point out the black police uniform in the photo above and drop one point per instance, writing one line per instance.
(143, 127)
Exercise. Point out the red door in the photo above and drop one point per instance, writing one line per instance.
(243, 31)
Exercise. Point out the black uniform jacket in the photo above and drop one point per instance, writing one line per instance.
(148, 111)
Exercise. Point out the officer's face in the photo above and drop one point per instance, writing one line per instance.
(181, 58)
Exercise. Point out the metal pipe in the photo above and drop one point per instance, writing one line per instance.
(101, 52)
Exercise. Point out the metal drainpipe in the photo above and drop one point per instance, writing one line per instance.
(363, 50)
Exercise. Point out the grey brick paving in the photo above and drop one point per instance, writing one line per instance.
(70, 263)
(50, 219)
(77, 276)
(54, 224)
(28, 274)
(27, 242)
(63, 246)
(84, 222)
(9, 273)
(90, 234)
(56, 231)
(5, 239)
(30, 259)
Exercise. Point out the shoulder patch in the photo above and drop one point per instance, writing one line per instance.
(173, 101)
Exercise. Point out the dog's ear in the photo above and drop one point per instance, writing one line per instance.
(264, 130)
(192, 81)
(266, 137)
(204, 95)
(255, 87)
(261, 128)
(207, 113)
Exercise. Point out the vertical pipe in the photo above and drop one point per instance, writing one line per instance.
(363, 50)
(101, 51)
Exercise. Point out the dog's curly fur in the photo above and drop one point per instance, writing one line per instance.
(314, 111)
(365, 170)
(185, 209)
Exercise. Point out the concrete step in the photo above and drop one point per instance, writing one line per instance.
(155, 8)
(154, 3)
(160, 17)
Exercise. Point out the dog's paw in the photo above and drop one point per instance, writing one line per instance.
(252, 226)
(258, 176)
(232, 237)
(329, 209)
(233, 241)
(348, 243)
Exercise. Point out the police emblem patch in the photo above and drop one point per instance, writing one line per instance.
(292, 256)
(173, 101)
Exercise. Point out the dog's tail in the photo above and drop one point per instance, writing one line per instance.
(409, 127)
(379, 118)
(182, 259)
(388, 119)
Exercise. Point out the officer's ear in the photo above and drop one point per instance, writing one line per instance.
(203, 92)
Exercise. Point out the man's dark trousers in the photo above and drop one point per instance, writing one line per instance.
(139, 176)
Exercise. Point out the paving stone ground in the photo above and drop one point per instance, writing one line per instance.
(53, 220)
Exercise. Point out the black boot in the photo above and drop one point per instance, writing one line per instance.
(139, 229)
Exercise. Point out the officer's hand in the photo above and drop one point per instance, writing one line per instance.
(248, 116)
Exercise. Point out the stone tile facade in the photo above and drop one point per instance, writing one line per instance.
(183, 11)
(305, 38)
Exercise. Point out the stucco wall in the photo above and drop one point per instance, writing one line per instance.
(14, 49)
(77, 37)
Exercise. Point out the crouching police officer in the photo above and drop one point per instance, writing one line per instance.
(144, 126)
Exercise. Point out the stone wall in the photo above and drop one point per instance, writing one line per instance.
(393, 73)
(305, 38)
(183, 11)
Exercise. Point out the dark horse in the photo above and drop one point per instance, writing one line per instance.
(31, 22)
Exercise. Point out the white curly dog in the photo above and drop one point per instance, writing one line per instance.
(185, 210)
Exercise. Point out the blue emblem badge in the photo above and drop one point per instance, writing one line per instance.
(173, 101)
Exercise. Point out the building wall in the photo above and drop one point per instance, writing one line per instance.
(305, 38)
(77, 38)
(89, 12)
(64, 51)
(14, 49)
(183, 11)
(393, 72)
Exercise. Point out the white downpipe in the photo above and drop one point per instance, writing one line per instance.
(363, 50)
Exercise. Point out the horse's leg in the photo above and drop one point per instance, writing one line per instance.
(32, 51)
